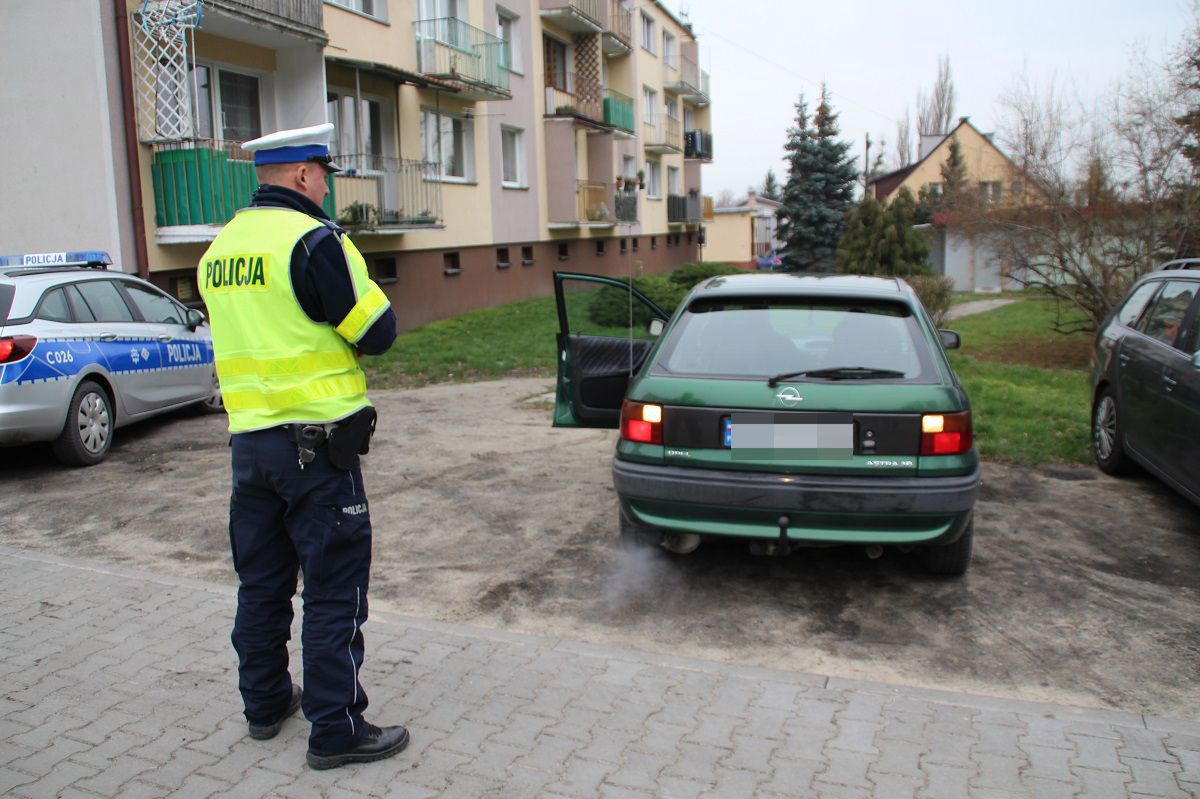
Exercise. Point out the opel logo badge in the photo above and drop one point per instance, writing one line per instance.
(789, 397)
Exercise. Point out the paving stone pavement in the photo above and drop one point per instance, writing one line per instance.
(116, 683)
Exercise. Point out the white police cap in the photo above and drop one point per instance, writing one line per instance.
(293, 146)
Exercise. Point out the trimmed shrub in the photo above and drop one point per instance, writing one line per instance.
(690, 274)
(935, 292)
(610, 306)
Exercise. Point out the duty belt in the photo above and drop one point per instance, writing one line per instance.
(308, 438)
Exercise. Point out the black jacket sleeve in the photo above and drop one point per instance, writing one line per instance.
(325, 289)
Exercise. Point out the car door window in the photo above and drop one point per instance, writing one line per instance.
(1165, 316)
(154, 307)
(54, 307)
(105, 301)
(83, 313)
(1133, 307)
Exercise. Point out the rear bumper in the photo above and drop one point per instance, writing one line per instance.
(818, 508)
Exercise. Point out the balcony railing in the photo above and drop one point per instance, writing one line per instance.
(662, 135)
(626, 203)
(574, 15)
(305, 16)
(376, 192)
(619, 24)
(451, 49)
(618, 110)
(582, 96)
(592, 203)
(200, 182)
(683, 208)
(698, 144)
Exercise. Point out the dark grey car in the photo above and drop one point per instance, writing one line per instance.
(1146, 380)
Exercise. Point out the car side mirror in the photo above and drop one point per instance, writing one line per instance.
(950, 339)
(656, 327)
(194, 319)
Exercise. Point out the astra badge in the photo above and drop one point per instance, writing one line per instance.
(789, 397)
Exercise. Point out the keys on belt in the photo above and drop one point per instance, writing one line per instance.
(307, 438)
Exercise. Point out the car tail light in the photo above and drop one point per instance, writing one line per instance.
(14, 348)
(641, 422)
(946, 433)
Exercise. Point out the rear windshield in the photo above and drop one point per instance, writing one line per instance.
(761, 338)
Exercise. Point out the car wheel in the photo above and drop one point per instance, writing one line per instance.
(87, 434)
(213, 402)
(1106, 436)
(634, 535)
(951, 559)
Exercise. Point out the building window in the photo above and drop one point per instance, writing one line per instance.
(451, 265)
(689, 238)
(509, 32)
(512, 150)
(502, 261)
(672, 108)
(629, 167)
(564, 251)
(624, 246)
(635, 243)
(349, 116)
(648, 38)
(992, 192)
(673, 184)
(383, 270)
(654, 179)
(372, 8)
(649, 106)
(935, 189)
(557, 63)
(449, 141)
(669, 54)
(234, 99)
(654, 242)
(527, 255)
(599, 247)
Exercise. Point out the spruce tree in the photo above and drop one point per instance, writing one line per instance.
(880, 240)
(954, 177)
(819, 189)
(770, 187)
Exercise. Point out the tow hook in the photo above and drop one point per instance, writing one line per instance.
(783, 547)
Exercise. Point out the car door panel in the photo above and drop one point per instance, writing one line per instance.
(596, 358)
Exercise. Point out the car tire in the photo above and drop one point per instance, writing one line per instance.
(213, 402)
(1107, 443)
(634, 535)
(953, 559)
(87, 433)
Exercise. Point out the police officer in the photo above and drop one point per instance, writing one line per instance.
(291, 309)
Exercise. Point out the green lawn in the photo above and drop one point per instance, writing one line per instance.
(1028, 385)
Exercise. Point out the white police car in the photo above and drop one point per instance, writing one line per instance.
(84, 350)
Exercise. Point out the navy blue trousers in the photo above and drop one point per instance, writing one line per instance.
(284, 519)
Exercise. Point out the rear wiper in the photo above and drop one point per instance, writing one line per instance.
(837, 373)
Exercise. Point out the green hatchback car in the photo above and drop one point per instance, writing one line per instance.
(783, 409)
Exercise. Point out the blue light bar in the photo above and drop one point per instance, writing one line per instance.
(96, 258)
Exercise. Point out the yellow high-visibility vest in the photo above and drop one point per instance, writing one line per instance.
(277, 366)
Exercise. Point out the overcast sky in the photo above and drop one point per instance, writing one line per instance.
(875, 54)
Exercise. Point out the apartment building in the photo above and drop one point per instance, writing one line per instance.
(486, 144)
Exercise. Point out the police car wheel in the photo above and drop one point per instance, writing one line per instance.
(212, 403)
(87, 435)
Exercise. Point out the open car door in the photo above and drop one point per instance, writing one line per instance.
(605, 330)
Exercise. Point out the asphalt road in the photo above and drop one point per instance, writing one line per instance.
(1084, 590)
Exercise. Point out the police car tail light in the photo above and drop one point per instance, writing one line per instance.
(946, 433)
(641, 422)
(14, 348)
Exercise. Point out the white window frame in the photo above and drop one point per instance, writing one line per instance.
(377, 8)
(434, 130)
(649, 37)
(654, 180)
(649, 106)
(521, 181)
(214, 97)
(507, 19)
(671, 108)
(670, 52)
(629, 166)
(674, 184)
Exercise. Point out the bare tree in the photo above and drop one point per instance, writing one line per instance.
(726, 198)
(935, 111)
(904, 143)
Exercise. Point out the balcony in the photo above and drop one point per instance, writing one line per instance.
(383, 195)
(576, 16)
(592, 208)
(618, 110)
(626, 205)
(581, 97)
(684, 209)
(618, 29)
(688, 81)
(663, 135)
(303, 17)
(698, 144)
(474, 61)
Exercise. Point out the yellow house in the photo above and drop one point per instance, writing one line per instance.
(987, 167)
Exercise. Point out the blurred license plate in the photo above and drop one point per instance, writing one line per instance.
(820, 436)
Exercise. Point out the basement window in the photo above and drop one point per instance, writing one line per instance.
(383, 270)
(527, 256)
(599, 247)
(451, 265)
(564, 251)
(502, 261)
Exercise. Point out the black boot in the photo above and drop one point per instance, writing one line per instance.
(262, 732)
(377, 744)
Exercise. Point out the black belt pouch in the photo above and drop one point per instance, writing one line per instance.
(351, 438)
